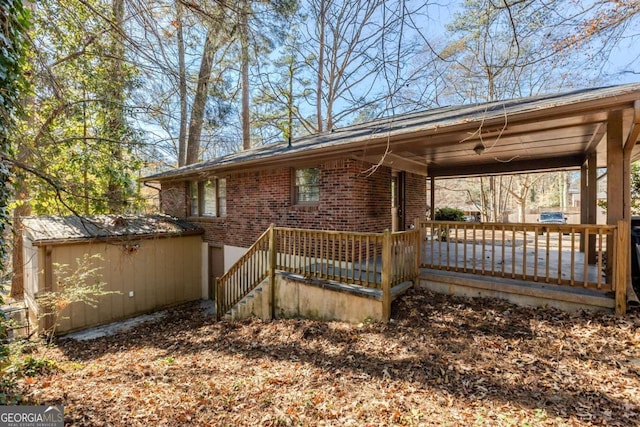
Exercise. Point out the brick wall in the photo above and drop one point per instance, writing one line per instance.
(415, 204)
(351, 199)
(173, 199)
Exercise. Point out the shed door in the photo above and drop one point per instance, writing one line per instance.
(216, 267)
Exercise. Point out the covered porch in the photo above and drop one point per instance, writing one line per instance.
(589, 131)
(566, 266)
(594, 132)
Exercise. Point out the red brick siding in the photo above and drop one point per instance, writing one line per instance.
(345, 201)
(215, 229)
(350, 200)
(173, 199)
(415, 204)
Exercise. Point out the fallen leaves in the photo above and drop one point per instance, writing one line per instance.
(442, 361)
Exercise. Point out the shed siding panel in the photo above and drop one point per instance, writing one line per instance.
(160, 272)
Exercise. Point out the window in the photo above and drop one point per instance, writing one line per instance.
(307, 185)
(193, 191)
(208, 198)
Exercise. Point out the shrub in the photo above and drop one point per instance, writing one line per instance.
(449, 214)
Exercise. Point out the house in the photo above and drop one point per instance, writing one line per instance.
(373, 176)
(146, 262)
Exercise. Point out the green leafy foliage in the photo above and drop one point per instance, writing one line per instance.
(76, 129)
(32, 366)
(14, 20)
(449, 214)
(22, 363)
(80, 284)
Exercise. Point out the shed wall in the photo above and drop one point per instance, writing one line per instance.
(161, 272)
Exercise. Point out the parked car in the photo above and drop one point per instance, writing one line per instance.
(555, 218)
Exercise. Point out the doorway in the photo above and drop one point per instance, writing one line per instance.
(397, 201)
(216, 268)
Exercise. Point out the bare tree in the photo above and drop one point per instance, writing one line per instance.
(358, 48)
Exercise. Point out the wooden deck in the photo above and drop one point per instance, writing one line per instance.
(554, 263)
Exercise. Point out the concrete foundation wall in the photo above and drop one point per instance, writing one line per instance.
(299, 299)
(295, 298)
(519, 293)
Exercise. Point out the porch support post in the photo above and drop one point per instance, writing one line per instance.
(432, 198)
(584, 202)
(386, 275)
(272, 270)
(621, 266)
(417, 241)
(420, 238)
(588, 204)
(218, 297)
(618, 207)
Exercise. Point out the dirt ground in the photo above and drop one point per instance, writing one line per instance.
(441, 361)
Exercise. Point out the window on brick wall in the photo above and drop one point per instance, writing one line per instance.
(307, 186)
(208, 198)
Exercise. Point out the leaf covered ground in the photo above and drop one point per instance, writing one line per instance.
(442, 361)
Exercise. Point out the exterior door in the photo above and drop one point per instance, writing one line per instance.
(397, 201)
(216, 268)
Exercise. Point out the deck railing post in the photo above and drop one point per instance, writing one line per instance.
(421, 239)
(219, 305)
(272, 270)
(622, 252)
(386, 275)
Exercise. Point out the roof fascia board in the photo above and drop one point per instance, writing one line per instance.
(524, 166)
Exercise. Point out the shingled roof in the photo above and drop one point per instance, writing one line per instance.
(436, 122)
(65, 229)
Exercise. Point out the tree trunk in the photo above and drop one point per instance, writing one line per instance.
(115, 122)
(200, 100)
(320, 82)
(289, 132)
(244, 47)
(182, 88)
(22, 209)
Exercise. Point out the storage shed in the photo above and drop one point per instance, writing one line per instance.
(150, 261)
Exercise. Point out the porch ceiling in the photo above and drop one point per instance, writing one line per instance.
(506, 145)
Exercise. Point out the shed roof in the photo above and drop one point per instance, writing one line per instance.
(70, 229)
(531, 133)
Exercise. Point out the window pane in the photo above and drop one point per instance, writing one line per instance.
(308, 194)
(307, 185)
(193, 188)
(209, 199)
(222, 197)
(310, 176)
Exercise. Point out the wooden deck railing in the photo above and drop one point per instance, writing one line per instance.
(372, 260)
(346, 257)
(247, 273)
(589, 256)
(573, 255)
